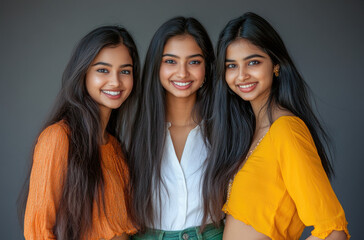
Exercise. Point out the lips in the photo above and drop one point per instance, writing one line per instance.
(112, 94)
(182, 85)
(247, 87)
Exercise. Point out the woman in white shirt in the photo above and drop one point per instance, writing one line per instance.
(169, 140)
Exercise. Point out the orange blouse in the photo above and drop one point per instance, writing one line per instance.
(282, 186)
(47, 175)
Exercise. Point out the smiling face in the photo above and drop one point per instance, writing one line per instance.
(249, 71)
(182, 70)
(109, 79)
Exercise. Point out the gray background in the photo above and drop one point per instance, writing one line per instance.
(325, 39)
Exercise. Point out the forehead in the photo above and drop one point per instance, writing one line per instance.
(119, 53)
(182, 45)
(243, 47)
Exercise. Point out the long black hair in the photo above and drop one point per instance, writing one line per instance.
(149, 133)
(83, 183)
(234, 117)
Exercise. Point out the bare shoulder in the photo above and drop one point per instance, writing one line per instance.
(280, 112)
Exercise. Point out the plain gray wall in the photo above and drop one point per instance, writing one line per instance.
(325, 39)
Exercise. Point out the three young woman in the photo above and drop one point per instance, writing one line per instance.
(263, 154)
(169, 145)
(78, 175)
(268, 142)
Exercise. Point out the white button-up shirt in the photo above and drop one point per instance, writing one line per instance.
(181, 194)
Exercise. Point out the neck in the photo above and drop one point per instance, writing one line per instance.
(261, 115)
(179, 110)
(104, 117)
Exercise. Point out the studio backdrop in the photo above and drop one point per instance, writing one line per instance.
(325, 39)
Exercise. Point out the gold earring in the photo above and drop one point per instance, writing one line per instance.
(276, 72)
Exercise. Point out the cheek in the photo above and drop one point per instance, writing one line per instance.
(94, 80)
(165, 72)
(268, 78)
(129, 83)
(200, 73)
(265, 74)
(91, 83)
(229, 78)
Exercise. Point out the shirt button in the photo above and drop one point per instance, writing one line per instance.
(185, 236)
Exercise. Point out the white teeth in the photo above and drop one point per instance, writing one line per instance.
(247, 86)
(113, 93)
(182, 84)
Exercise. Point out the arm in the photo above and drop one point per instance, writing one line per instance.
(306, 180)
(45, 186)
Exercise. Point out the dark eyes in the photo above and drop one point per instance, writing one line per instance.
(126, 72)
(254, 62)
(103, 70)
(193, 62)
(251, 63)
(231, 65)
(170, 61)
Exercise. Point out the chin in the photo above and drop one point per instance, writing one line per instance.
(181, 94)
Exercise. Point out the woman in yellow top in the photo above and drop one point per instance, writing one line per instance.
(78, 176)
(272, 146)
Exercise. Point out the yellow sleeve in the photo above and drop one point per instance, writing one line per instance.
(45, 186)
(305, 178)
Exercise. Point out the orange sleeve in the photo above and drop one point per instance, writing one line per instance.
(46, 179)
(305, 178)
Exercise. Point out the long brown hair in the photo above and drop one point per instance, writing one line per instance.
(83, 183)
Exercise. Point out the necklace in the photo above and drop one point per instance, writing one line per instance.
(232, 179)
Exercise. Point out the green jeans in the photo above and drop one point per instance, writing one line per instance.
(193, 233)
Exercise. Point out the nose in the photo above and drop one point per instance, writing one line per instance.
(115, 79)
(182, 71)
(243, 74)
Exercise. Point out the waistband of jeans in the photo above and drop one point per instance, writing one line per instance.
(209, 228)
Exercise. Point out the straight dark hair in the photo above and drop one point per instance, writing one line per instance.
(84, 183)
(149, 132)
(234, 117)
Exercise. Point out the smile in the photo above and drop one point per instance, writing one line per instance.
(182, 84)
(245, 88)
(112, 93)
(247, 85)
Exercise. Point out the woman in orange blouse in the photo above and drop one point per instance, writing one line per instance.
(78, 177)
(272, 146)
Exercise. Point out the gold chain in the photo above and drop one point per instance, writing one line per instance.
(246, 158)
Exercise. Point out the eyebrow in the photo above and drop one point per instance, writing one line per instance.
(175, 56)
(246, 58)
(109, 65)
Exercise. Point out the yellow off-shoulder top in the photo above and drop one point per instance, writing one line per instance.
(282, 187)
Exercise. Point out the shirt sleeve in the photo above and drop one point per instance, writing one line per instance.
(45, 185)
(305, 178)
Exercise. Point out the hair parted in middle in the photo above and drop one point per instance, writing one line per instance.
(84, 183)
(233, 122)
(149, 132)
